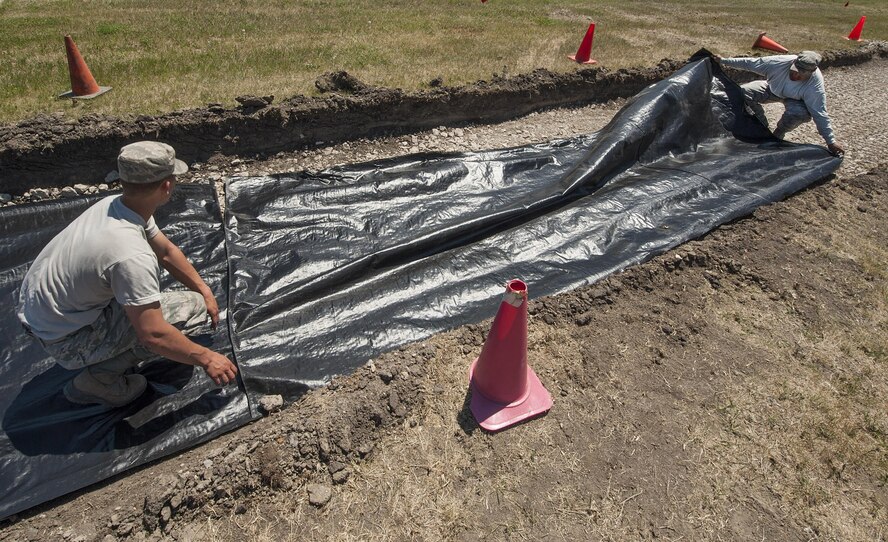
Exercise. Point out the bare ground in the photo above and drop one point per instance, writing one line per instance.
(732, 389)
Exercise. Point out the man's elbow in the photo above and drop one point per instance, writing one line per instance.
(152, 339)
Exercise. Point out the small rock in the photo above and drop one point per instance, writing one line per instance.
(208, 463)
(436, 82)
(68, 192)
(365, 449)
(583, 319)
(82, 188)
(549, 319)
(176, 501)
(271, 403)
(109, 538)
(862, 208)
(38, 194)
(336, 466)
(166, 514)
(667, 330)
(241, 508)
(294, 440)
(341, 476)
(385, 375)
(103, 186)
(318, 495)
(5, 198)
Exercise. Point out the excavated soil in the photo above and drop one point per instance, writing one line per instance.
(732, 389)
(52, 151)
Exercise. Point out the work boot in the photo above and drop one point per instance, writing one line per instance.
(107, 383)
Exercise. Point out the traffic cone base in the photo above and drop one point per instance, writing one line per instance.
(70, 94)
(494, 416)
(589, 61)
(764, 42)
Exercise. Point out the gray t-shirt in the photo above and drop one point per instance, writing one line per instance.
(102, 255)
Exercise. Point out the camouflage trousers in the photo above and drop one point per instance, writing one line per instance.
(796, 114)
(112, 338)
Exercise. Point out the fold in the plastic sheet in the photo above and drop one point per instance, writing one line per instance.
(330, 269)
(327, 270)
(48, 446)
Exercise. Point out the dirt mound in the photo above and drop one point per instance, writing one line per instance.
(51, 150)
(340, 82)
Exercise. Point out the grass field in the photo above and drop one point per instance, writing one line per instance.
(167, 54)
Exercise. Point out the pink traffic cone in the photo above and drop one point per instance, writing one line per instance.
(505, 390)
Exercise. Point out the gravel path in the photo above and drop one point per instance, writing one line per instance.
(857, 99)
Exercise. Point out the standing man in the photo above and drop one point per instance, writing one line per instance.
(796, 81)
(92, 297)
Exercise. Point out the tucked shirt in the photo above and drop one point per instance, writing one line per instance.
(811, 91)
(102, 255)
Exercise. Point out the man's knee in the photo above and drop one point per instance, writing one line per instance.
(756, 92)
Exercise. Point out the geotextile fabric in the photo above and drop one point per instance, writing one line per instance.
(321, 271)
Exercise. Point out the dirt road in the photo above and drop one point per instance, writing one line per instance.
(732, 389)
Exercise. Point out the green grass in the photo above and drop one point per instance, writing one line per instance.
(167, 54)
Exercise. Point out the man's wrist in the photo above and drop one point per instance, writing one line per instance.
(201, 358)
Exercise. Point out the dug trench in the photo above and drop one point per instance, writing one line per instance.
(53, 151)
(731, 388)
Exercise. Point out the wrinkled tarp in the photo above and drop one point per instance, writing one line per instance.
(329, 269)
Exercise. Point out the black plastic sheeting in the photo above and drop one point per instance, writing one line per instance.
(49, 446)
(324, 271)
(333, 268)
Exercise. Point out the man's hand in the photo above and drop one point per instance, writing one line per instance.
(165, 340)
(219, 368)
(835, 149)
(212, 308)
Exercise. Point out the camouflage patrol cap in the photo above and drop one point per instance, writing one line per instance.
(146, 162)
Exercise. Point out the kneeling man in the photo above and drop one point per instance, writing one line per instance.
(92, 297)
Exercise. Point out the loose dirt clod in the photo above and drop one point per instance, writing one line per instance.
(318, 495)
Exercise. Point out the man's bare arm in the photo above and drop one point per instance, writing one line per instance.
(162, 338)
(173, 260)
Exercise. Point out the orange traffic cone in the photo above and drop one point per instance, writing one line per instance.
(858, 28)
(505, 390)
(764, 42)
(83, 84)
(585, 50)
